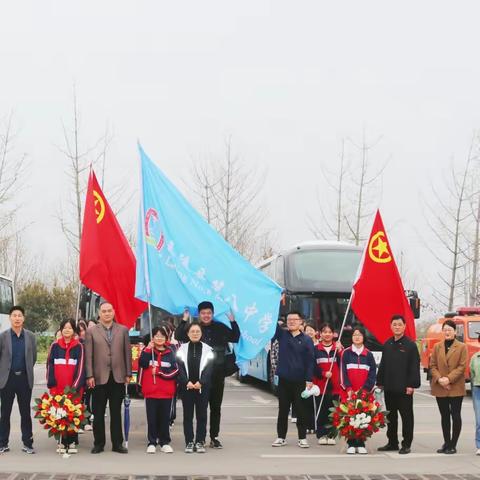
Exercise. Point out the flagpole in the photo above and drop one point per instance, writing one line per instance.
(145, 261)
(347, 311)
(77, 312)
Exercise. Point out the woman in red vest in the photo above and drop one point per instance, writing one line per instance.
(327, 377)
(66, 368)
(158, 374)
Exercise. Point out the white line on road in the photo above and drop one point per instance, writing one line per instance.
(376, 455)
(333, 455)
(260, 418)
(260, 399)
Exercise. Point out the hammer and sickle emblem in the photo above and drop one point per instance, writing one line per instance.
(378, 248)
(99, 206)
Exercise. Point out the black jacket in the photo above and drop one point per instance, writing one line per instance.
(296, 357)
(400, 365)
(216, 335)
(205, 370)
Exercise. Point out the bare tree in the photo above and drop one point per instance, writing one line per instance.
(364, 184)
(228, 191)
(11, 169)
(336, 183)
(446, 219)
(355, 188)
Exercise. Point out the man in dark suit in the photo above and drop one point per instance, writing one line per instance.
(18, 354)
(108, 365)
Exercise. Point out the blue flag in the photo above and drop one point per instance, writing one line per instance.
(182, 261)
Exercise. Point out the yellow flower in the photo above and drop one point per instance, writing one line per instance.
(76, 421)
(61, 427)
(58, 398)
(43, 414)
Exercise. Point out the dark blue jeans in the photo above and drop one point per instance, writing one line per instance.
(17, 385)
(158, 420)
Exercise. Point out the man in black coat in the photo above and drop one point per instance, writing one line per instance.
(216, 335)
(398, 375)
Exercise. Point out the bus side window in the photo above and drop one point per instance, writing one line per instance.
(280, 272)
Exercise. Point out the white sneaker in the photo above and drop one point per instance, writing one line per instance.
(72, 448)
(302, 443)
(151, 449)
(362, 450)
(166, 449)
(61, 449)
(279, 442)
(331, 441)
(88, 427)
(351, 450)
(477, 452)
(294, 420)
(323, 441)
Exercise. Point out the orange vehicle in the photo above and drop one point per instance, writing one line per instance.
(467, 320)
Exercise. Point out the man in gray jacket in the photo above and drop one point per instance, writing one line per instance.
(18, 354)
(108, 366)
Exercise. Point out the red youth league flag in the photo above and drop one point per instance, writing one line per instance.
(378, 292)
(107, 263)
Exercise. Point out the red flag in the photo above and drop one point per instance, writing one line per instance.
(378, 292)
(107, 263)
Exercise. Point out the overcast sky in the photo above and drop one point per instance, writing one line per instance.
(287, 80)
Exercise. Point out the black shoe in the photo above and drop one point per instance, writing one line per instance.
(443, 449)
(388, 448)
(404, 450)
(120, 449)
(215, 443)
(450, 451)
(96, 449)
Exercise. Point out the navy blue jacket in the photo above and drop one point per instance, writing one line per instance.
(296, 357)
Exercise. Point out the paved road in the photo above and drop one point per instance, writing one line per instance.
(248, 428)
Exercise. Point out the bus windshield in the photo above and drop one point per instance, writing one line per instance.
(318, 309)
(322, 270)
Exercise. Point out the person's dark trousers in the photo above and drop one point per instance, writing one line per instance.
(173, 411)
(17, 385)
(87, 400)
(450, 407)
(158, 420)
(308, 408)
(67, 440)
(323, 420)
(195, 402)
(399, 403)
(216, 398)
(289, 393)
(112, 392)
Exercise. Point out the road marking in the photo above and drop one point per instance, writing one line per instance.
(331, 455)
(375, 455)
(260, 399)
(260, 418)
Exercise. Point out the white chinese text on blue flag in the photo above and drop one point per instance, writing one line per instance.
(182, 260)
